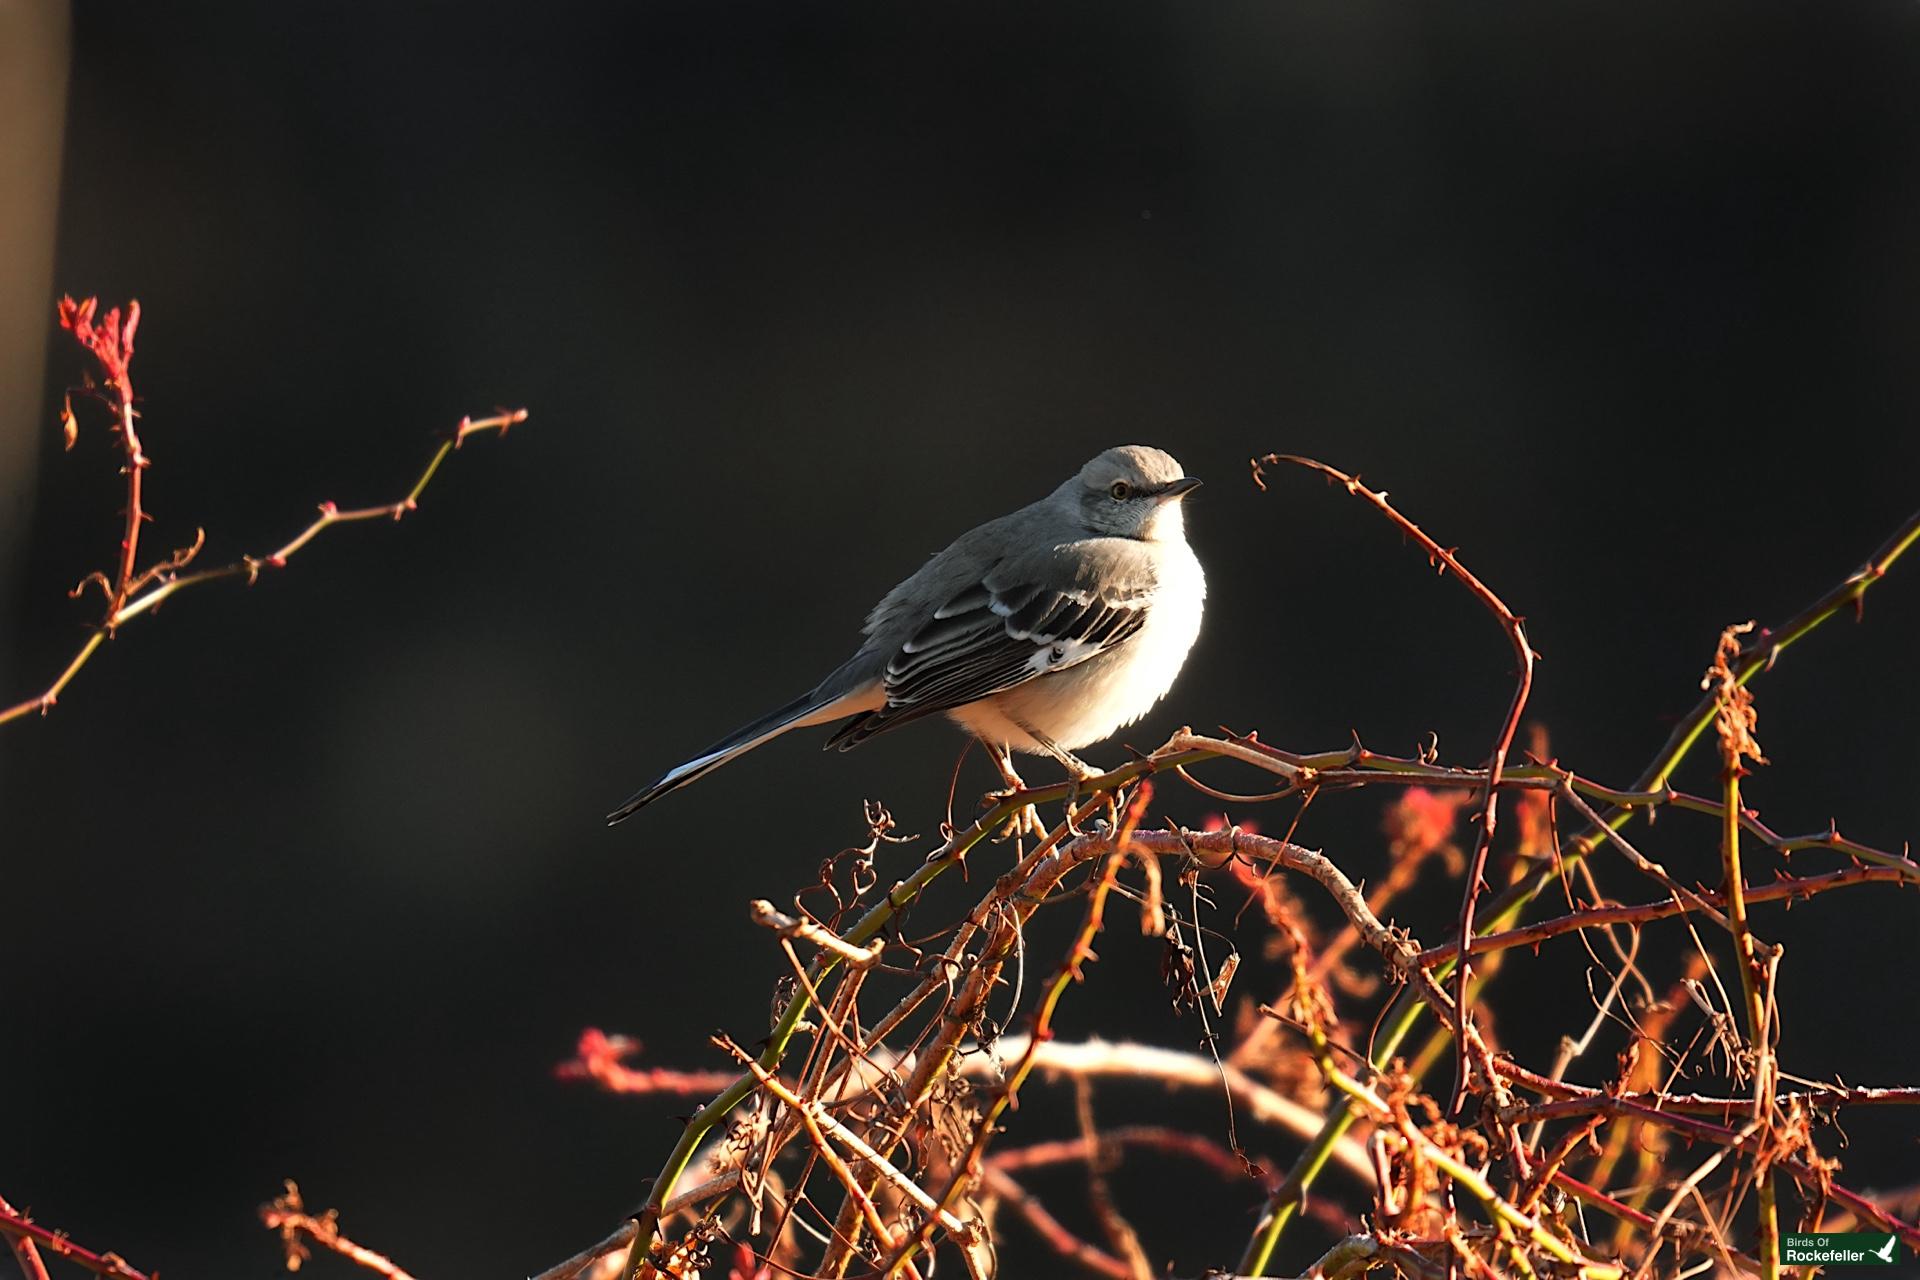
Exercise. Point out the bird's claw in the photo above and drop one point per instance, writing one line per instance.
(1079, 773)
(1024, 820)
(1073, 802)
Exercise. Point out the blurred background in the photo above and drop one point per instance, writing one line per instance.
(310, 879)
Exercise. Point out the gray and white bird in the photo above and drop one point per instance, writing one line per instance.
(1042, 631)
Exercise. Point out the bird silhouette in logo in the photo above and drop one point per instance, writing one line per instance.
(1885, 1251)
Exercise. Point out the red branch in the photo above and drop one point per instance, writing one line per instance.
(1627, 1213)
(1172, 1142)
(1787, 889)
(111, 343)
(1600, 1103)
(1824, 1097)
(27, 1237)
(25, 1252)
(995, 1181)
(598, 1058)
(1809, 1176)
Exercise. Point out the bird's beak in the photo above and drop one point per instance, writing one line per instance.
(1178, 489)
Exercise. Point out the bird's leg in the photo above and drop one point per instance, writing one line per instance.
(1002, 758)
(1026, 819)
(1078, 771)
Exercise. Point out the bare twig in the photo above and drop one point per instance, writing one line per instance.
(1811, 1176)
(36, 1237)
(288, 1215)
(27, 1238)
(1497, 1206)
(1580, 1100)
(615, 1241)
(846, 1137)
(763, 914)
(1131, 1060)
(1788, 889)
(167, 579)
(1000, 1184)
(1155, 1138)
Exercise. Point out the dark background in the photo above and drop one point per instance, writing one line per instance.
(310, 881)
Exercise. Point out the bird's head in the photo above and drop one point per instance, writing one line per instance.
(1132, 491)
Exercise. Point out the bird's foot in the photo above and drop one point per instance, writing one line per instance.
(1002, 759)
(1073, 802)
(1022, 821)
(1076, 788)
(1079, 770)
(1079, 773)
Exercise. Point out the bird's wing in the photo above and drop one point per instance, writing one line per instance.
(1024, 618)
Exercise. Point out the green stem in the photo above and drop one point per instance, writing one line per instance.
(1758, 1034)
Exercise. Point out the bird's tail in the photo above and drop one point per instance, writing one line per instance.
(814, 707)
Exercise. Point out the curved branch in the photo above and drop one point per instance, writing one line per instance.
(1510, 623)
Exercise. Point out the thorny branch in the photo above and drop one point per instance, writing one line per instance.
(25, 1252)
(1786, 889)
(27, 1238)
(1444, 559)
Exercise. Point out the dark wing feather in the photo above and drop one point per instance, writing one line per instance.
(988, 638)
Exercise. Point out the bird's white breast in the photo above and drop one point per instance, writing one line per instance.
(1088, 702)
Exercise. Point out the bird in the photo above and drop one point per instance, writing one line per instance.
(1042, 632)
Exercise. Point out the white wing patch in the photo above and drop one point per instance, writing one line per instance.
(1061, 654)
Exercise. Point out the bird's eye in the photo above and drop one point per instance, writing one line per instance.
(1121, 491)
